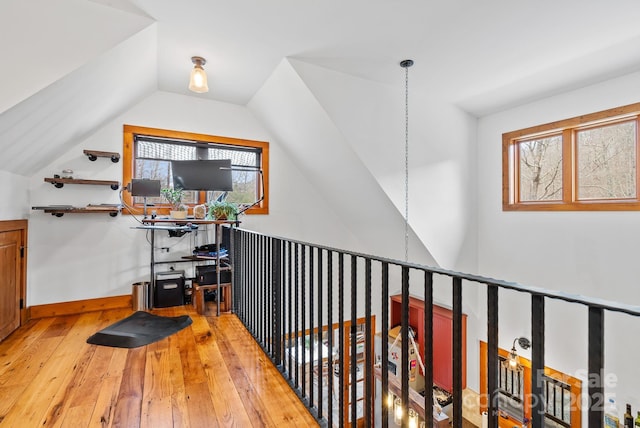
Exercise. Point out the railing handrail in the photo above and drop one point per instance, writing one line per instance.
(274, 274)
(552, 294)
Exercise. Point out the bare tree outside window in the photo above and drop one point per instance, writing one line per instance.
(607, 162)
(583, 163)
(541, 169)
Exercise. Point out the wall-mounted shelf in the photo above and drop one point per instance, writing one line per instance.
(95, 154)
(60, 182)
(60, 210)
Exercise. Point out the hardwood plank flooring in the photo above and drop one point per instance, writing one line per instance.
(211, 374)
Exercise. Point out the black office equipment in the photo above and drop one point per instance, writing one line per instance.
(209, 174)
(169, 289)
(206, 275)
(144, 187)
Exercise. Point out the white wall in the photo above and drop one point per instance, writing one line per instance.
(369, 122)
(86, 256)
(14, 191)
(588, 253)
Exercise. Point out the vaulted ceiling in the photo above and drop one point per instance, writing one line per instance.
(70, 65)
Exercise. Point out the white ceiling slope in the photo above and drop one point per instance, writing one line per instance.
(43, 41)
(318, 147)
(484, 56)
(42, 127)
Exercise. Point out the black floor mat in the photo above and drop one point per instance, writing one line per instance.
(139, 329)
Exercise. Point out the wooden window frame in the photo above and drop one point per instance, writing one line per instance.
(128, 160)
(507, 422)
(567, 128)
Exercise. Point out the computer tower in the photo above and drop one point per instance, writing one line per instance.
(169, 289)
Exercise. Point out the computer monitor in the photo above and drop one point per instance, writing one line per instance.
(210, 174)
(144, 187)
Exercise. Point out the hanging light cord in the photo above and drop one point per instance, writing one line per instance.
(406, 64)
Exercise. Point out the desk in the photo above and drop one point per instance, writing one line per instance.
(186, 226)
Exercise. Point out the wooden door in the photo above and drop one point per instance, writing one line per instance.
(11, 275)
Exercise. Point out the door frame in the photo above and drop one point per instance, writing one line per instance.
(22, 227)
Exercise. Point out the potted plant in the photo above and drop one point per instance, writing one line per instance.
(174, 197)
(223, 210)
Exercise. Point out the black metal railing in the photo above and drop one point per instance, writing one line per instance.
(297, 299)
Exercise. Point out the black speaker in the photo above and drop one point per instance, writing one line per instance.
(169, 289)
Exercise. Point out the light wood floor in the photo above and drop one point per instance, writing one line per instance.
(208, 375)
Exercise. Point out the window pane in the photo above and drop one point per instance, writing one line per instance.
(154, 150)
(238, 157)
(152, 170)
(153, 162)
(245, 182)
(541, 169)
(607, 162)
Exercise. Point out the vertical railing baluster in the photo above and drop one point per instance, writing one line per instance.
(330, 336)
(493, 375)
(537, 361)
(320, 333)
(353, 379)
(260, 290)
(297, 313)
(457, 352)
(303, 316)
(247, 261)
(276, 287)
(234, 269)
(427, 337)
(368, 365)
(289, 328)
(311, 323)
(251, 285)
(268, 320)
(386, 394)
(404, 354)
(263, 288)
(341, 350)
(244, 252)
(596, 367)
(270, 309)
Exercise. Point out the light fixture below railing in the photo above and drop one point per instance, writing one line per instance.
(198, 79)
(513, 362)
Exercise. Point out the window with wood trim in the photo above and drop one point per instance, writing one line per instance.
(148, 152)
(586, 163)
(562, 394)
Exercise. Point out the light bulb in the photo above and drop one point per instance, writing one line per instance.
(513, 359)
(413, 419)
(397, 411)
(198, 78)
(390, 400)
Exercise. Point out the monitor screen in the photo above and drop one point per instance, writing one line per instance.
(211, 174)
(144, 187)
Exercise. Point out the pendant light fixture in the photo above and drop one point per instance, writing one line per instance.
(198, 80)
(406, 64)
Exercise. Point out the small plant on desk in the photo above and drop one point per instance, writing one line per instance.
(223, 210)
(174, 197)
